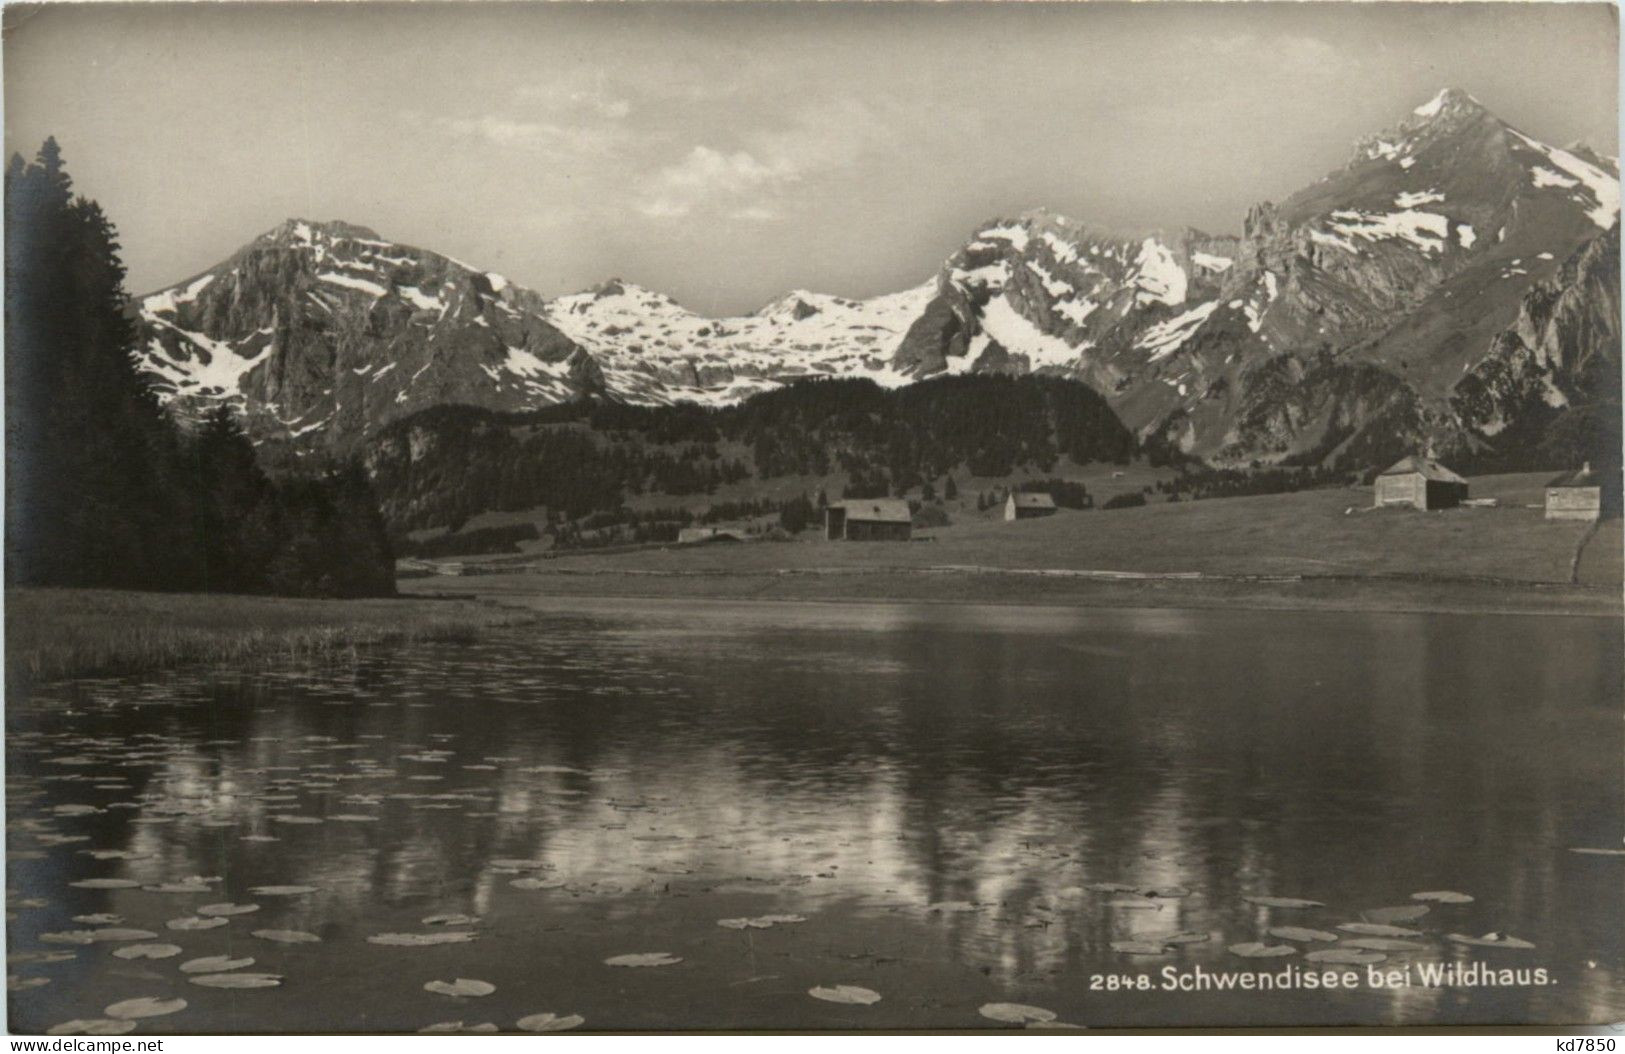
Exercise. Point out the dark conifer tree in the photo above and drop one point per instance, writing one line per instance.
(94, 494)
(102, 489)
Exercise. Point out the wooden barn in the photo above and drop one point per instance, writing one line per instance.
(1420, 482)
(1575, 495)
(869, 520)
(1025, 506)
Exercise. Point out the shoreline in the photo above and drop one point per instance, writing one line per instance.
(892, 586)
(56, 634)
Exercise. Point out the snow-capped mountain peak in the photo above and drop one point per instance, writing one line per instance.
(1379, 286)
(652, 349)
(326, 330)
(1448, 102)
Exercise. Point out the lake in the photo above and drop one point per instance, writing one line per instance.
(946, 806)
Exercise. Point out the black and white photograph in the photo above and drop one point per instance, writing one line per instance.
(794, 517)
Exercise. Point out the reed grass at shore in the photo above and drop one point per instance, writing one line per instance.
(54, 633)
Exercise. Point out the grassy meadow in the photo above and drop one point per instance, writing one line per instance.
(53, 633)
(1344, 553)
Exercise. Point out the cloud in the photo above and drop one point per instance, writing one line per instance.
(706, 176)
(1281, 52)
(748, 182)
(576, 139)
(565, 118)
(596, 100)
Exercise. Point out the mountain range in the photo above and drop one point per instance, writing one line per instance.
(1448, 285)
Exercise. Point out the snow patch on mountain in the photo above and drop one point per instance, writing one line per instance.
(1601, 189)
(1017, 335)
(1015, 235)
(1411, 198)
(211, 368)
(352, 282)
(1545, 177)
(1167, 337)
(1425, 230)
(1160, 279)
(170, 300)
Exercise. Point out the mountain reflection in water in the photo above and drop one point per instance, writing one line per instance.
(935, 788)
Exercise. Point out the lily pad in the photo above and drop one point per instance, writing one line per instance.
(1140, 947)
(147, 951)
(101, 919)
(104, 883)
(1283, 902)
(1185, 937)
(457, 1026)
(1489, 940)
(282, 891)
(97, 936)
(461, 988)
(1406, 913)
(1110, 887)
(1300, 933)
(41, 957)
(1164, 892)
(845, 993)
(70, 937)
(1255, 950)
(452, 920)
(193, 922)
(1383, 944)
(178, 888)
(1443, 896)
(759, 922)
(537, 883)
(1346, 956)
(1015, 1013)
(214, 964)
(644, 959)
(1377, 929)
(223, 910)
(286, 936)
(743, 924)
(421, 940)
(550, 1023)
(147, 1006)
(15, 983)
(238, 980)
(96, 1026)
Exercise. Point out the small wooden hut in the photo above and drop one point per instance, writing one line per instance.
(869, 520)
(1575, 495)
(1420, 482)
(1028, 506)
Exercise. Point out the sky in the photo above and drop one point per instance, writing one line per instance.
(727, 153)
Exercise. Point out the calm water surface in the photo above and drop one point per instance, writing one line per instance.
(944, 794)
